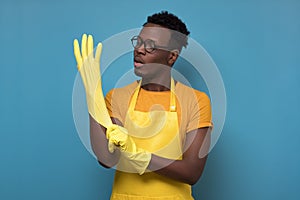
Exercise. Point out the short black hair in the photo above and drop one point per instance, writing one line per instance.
(171, 21)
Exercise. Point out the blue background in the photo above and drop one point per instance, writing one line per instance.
(255, 44)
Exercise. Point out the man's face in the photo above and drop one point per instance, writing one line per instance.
(147, 64)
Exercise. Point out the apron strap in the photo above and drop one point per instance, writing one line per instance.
(172, 97)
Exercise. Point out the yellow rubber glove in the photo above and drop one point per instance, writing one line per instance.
(118, 137)
(89, 67)
(131, 157)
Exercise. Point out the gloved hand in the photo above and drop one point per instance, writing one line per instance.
(132, 157)
(89, 67)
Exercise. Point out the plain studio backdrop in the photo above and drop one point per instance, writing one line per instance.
(255, 45)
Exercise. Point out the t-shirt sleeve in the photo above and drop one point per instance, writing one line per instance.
(117, 101)
(200, 113)
(112, 106)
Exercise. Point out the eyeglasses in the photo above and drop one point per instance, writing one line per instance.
(149, 44)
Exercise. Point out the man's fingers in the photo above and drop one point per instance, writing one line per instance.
(98, 52)
(77, 54)
(84, 47)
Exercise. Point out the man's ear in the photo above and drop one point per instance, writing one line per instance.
(173, 56)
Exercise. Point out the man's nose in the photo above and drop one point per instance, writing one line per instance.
(141, 49)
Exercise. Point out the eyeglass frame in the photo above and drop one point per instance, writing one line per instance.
(143, 42)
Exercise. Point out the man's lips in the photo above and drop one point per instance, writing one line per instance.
(138, 62)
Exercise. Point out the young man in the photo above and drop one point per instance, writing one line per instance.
(161, 133)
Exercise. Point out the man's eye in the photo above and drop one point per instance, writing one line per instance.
(150, 44)
(138, 41)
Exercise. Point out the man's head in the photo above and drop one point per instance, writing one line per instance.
(158, 44)
(179, 35)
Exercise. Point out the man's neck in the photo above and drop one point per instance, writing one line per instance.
(157, 84)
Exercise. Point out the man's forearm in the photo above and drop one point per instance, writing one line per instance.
(99, 145)
(180, 170)
(190, 168)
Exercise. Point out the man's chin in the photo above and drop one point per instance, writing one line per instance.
(137, 72)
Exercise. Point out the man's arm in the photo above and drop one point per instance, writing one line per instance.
(99, 144)
(190, 168)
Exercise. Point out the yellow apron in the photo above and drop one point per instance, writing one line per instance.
(157, 132)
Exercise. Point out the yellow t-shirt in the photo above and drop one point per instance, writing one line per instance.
(193, 106)
(193, 111)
